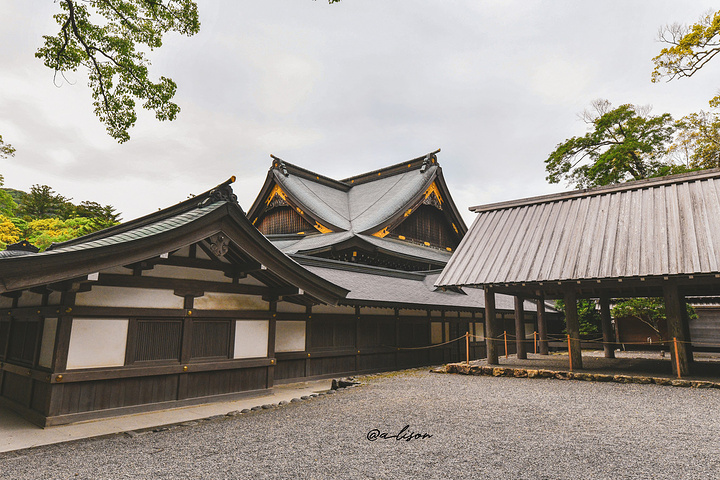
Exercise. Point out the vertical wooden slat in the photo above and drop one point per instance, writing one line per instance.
(608, 346)
(573, 326)
(490, 331)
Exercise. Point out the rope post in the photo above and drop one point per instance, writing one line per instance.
(467, 348)
(569, 351)
(535, 341)
(506, 349)
(677, 358)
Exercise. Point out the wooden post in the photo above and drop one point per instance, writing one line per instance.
(608, 345)
(520, 328)
(542, 326)
(506, 347)
(677, 357)
(569, 342)
(573, 326)
(535, 341)
(490, 332)
(673, 304)
(467, 348)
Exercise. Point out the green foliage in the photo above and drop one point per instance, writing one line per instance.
(690, 47)
(9, 232)
(697, 143)
(6, 150)
(623, 143)
(650, 311)
(45, 231)
(588, 315)
(42, 202)
(101, 36)
(7, 203)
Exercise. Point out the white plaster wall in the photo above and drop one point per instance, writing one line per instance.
(377, 311)
(287, 307)
(251, 338)
(289, 336)
(436, 332)
(129, 297)
(335, 309)
(97, 342)
(30, 299)
(54, 298)
(168, 271)
(529, 330)
(230, 301)
(5, 302)
(48, 342)
(479, 331)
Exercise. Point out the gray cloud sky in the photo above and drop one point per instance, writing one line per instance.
(343, 89)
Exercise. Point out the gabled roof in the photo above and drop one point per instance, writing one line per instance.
(363, 204)
(188, 222)
(650, 228)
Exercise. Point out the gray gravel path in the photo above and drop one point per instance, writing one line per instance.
(481, 427)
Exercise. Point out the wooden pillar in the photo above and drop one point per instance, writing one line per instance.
(573, 326)
(673, 310)
(686, 329)
(607, 332)
(542, 326)
(490, 331)
(272, 333)
(520, 328)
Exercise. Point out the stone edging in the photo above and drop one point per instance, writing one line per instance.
(487, 370)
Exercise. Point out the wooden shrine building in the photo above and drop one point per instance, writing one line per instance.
(651, 238)
(193, 304)
(384, 236)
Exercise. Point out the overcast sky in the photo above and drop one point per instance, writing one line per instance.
(343, 89)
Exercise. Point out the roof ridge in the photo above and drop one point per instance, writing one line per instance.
(287, 168)
(421, 162)
(602, 190)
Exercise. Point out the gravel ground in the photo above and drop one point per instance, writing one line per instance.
(481, 427)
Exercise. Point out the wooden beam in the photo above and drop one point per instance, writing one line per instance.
(607, 330)
(490, 331)
(542, 326)
(520, 328)
(180, 284)
(675, 319)
(573, 326)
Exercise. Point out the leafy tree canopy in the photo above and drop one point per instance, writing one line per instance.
(650, 311)
(623, 143)
(697, 143)
(690, 47)
(588, 315)
(6, 150)
(101, 36)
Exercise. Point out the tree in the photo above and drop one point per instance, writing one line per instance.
(691, 47)
(650, 311)
(623, 143)
(588, 315)
(101, 36)
(697, 143)
(6, 150)
(43, 202)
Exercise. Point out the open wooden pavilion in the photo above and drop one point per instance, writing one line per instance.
(651, 238)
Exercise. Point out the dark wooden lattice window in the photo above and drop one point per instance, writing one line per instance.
(211, 339)
(281, 220)
(23, 341)
(428, 224)
(158, 340)
(4, 333)
(332, 333)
